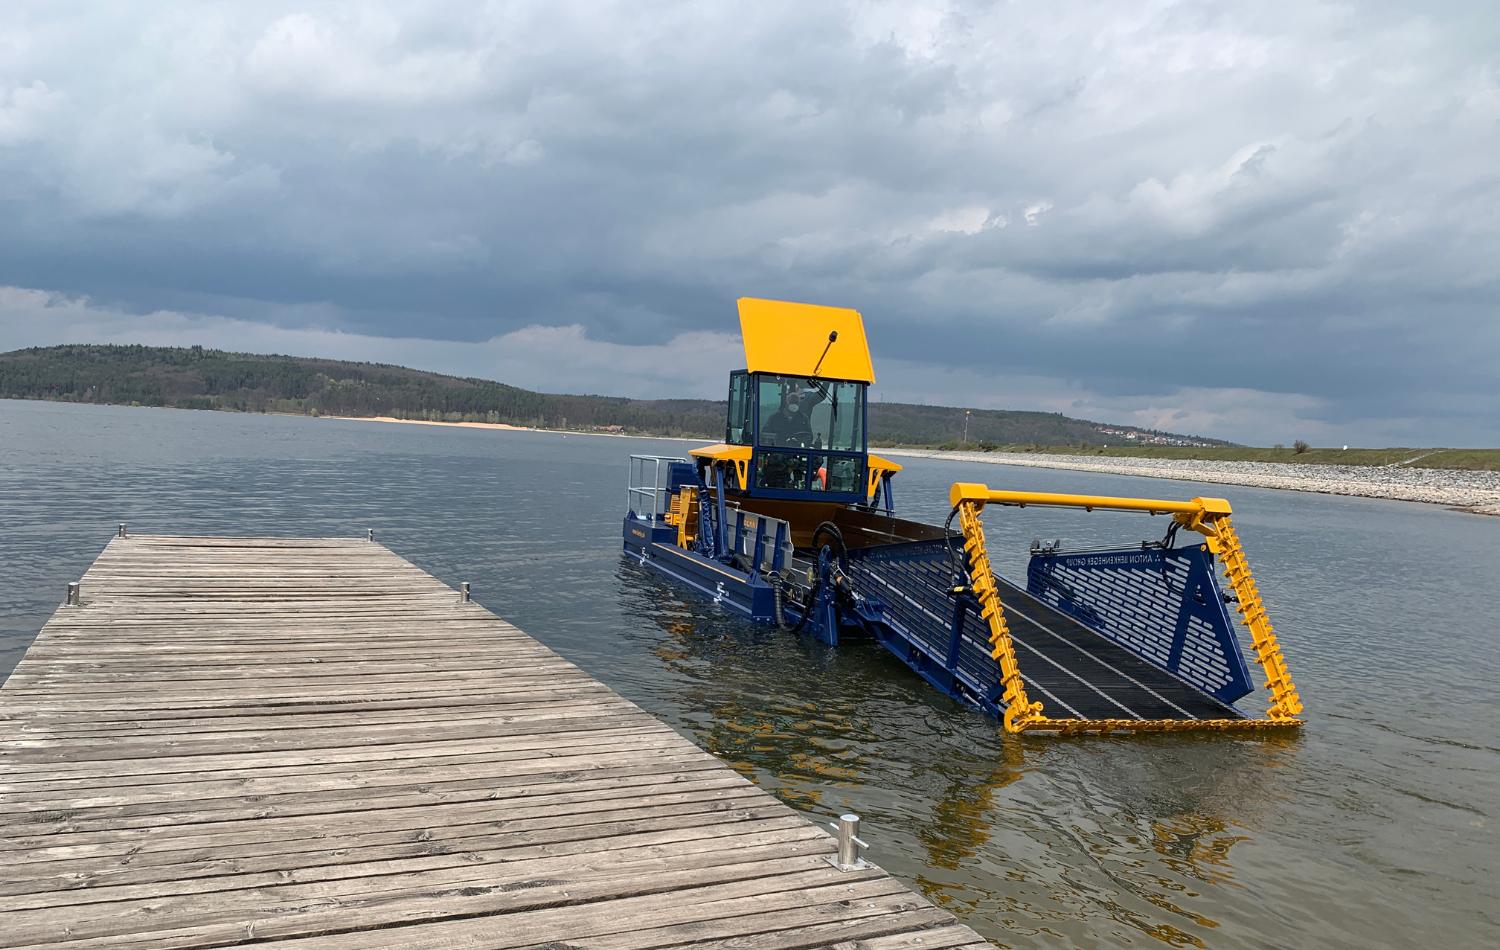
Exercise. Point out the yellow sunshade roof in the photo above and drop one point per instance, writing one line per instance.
(790, 338)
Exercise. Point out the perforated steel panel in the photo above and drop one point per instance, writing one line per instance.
(912, 582)
(1163, 605)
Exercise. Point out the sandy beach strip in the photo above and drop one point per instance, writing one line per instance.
(428, 422)
(510, 428)
(1477, 492)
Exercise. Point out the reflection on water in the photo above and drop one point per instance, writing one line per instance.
(1152, 820)
(960, 823)
(1373, 828)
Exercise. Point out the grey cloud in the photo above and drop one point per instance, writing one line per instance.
(1157, 210)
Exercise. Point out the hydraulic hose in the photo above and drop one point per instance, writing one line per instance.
(807, 608)
(828, 527)
(959, 575)
(776, 599)
(841, 552)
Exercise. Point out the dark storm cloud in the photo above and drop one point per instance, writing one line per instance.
(1247, 220)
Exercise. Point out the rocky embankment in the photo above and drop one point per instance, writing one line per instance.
(1478, 492)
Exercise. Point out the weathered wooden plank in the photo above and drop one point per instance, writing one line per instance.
(208, 795)
(285, 856)
(195, 787)
(892, 922)
(208, 833)
(381, 897)
(38, 727)
(312, 743)
(522, 801)
(624, 915)
(602, 734)
(635, 735)
(210, 701)
(520, 862)
(85, 715)
(571, 905)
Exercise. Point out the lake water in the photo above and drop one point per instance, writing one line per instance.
(1373, 828)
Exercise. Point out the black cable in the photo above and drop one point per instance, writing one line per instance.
(954, 565)
(1166, 545)
(807, 608)
(833, 529)
(776, 597)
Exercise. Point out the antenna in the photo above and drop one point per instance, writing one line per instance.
(832, 336)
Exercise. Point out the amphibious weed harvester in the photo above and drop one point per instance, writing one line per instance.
(792, 520)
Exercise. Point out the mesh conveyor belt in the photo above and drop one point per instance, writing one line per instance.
(1073, 671)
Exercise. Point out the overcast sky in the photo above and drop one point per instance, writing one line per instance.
(1259, 221)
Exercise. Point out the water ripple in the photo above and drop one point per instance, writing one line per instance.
(1369, 830)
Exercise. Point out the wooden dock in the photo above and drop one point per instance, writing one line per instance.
(315, 744)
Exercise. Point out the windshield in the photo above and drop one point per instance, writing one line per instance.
(812, 413)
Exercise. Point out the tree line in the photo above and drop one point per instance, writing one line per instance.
(200, 378)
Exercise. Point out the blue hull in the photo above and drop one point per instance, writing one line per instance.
(942, 665)
(905, 597)
(655, 547)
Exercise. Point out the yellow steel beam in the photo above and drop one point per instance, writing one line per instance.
(983, 495)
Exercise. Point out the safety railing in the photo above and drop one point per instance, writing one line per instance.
(646, 486)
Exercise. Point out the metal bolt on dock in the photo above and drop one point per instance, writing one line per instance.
(850, 844)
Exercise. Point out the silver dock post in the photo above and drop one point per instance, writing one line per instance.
(75, 594)
(463, 592)
(850, 845)
(369, 534)
(120, 531)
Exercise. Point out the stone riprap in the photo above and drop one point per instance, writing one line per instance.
(1474, 491)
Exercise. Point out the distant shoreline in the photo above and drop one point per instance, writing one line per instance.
(1474, 492)
(505, 426)
(1469, 491)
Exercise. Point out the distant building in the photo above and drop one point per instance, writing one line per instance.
(1150, 438)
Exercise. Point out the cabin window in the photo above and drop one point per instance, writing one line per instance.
(799, 412)
(840, 473)
(786, 470)
(739, 428)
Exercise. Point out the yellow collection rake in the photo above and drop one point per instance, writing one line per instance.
(1207, 516)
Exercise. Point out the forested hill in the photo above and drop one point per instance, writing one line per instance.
(198, 378)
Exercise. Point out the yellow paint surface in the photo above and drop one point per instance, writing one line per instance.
(789, 339)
